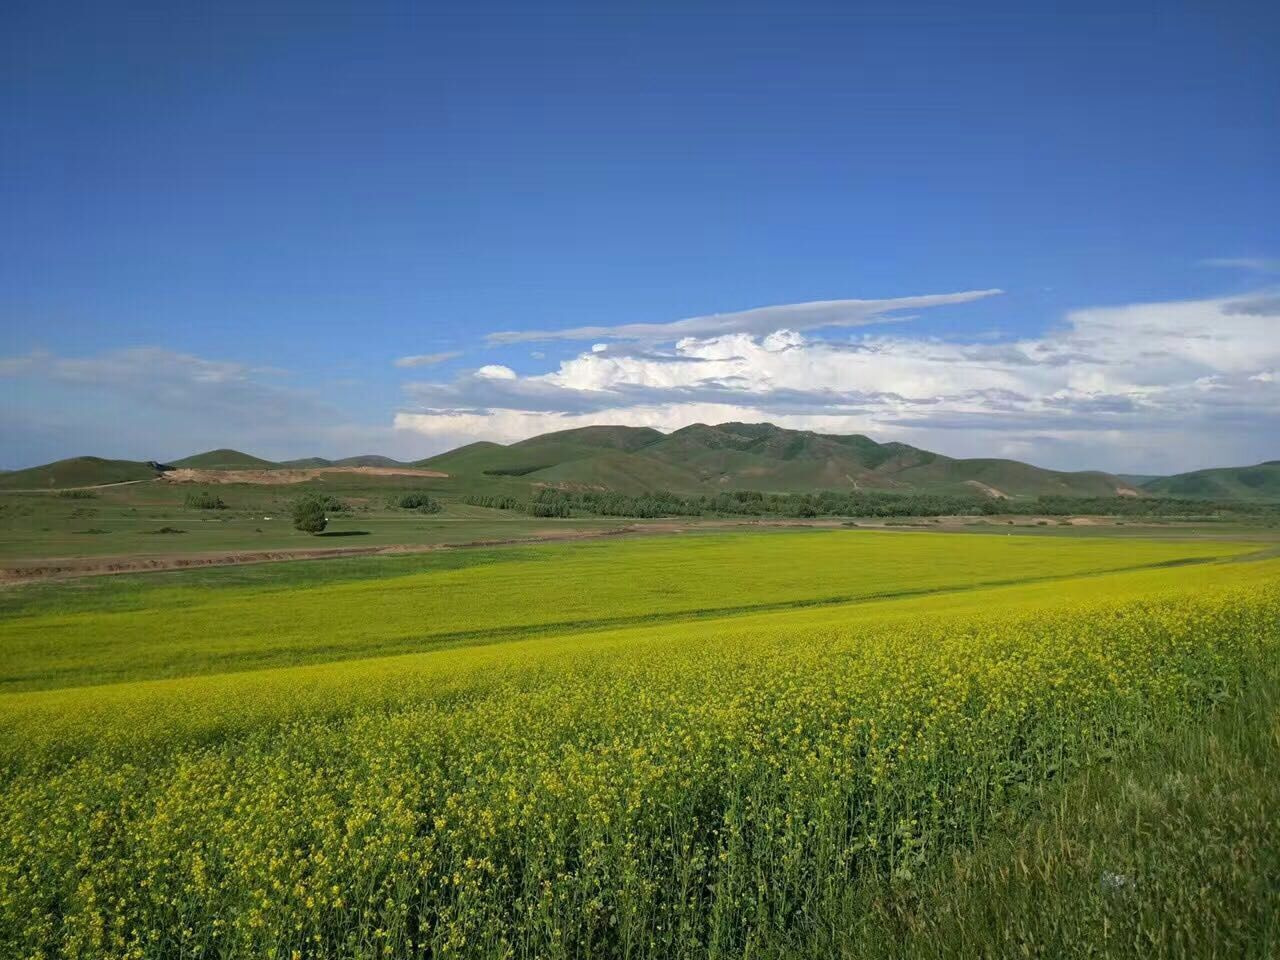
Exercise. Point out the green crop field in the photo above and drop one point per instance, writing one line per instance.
(799, 744)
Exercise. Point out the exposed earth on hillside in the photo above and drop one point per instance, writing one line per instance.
(286, 476)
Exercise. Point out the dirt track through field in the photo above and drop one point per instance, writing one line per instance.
(100, 566)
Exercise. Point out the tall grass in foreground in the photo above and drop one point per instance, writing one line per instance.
(708, 800)
(1172, 852)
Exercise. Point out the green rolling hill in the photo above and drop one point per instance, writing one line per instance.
(366, 460)
(1259, 482)
(705, 458)
(760, 456)
(77, 472)
(224, 459)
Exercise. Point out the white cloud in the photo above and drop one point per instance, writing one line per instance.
(761, 320)
(1152, 386)
(495, 371)
(427, 359)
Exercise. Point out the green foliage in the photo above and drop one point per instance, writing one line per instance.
(76, 495)
(552, 502)
(204, 500)
(309, 513)
(496, 502)
(422, 502)
(1169, 853)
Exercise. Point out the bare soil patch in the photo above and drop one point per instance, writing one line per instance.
(16, 573)
(989, 490)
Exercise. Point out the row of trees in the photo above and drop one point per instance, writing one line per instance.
(549, 502)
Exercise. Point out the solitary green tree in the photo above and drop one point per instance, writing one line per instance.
(309, 514)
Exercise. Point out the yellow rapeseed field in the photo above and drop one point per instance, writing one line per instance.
(652, 790)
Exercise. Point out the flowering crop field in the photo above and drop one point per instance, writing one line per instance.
(525, 592)
(681, 748)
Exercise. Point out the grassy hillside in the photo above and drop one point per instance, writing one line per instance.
(619, 471)
(368, 460)
(753, 456)
(704, 458)
(1259, 482)
(1013, 478)
(224, 459)
(76, 472)
(605, 437)
(474, 458)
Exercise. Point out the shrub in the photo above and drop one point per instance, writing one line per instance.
(204, 500)
(77, 495)
(420, 502)
(309, 514)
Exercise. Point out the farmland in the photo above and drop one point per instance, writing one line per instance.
(797, 743)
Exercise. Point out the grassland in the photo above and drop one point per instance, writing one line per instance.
(802, 744)
(151, 519)
(138, 523)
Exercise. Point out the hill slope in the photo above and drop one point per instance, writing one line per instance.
(77, 472)
(705, 458)
(1259, 482)
(368, 460)
(224, 459)
(754, 456)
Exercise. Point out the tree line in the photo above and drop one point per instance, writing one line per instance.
(550, 502)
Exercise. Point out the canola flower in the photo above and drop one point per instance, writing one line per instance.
(647, 800)
(545, 590)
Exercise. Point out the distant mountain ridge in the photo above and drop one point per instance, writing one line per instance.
(754, 456)
(1258, 482)
(706, 458)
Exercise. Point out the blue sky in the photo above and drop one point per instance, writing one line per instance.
(225, 224)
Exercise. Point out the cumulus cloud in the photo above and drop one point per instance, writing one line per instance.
(495, 371)
(761, 320)
(1156, 386)
(427, 359)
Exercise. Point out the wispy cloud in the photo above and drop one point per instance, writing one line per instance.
(154, 403)
(1251, 264)
(761, 320)
(427, 359)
